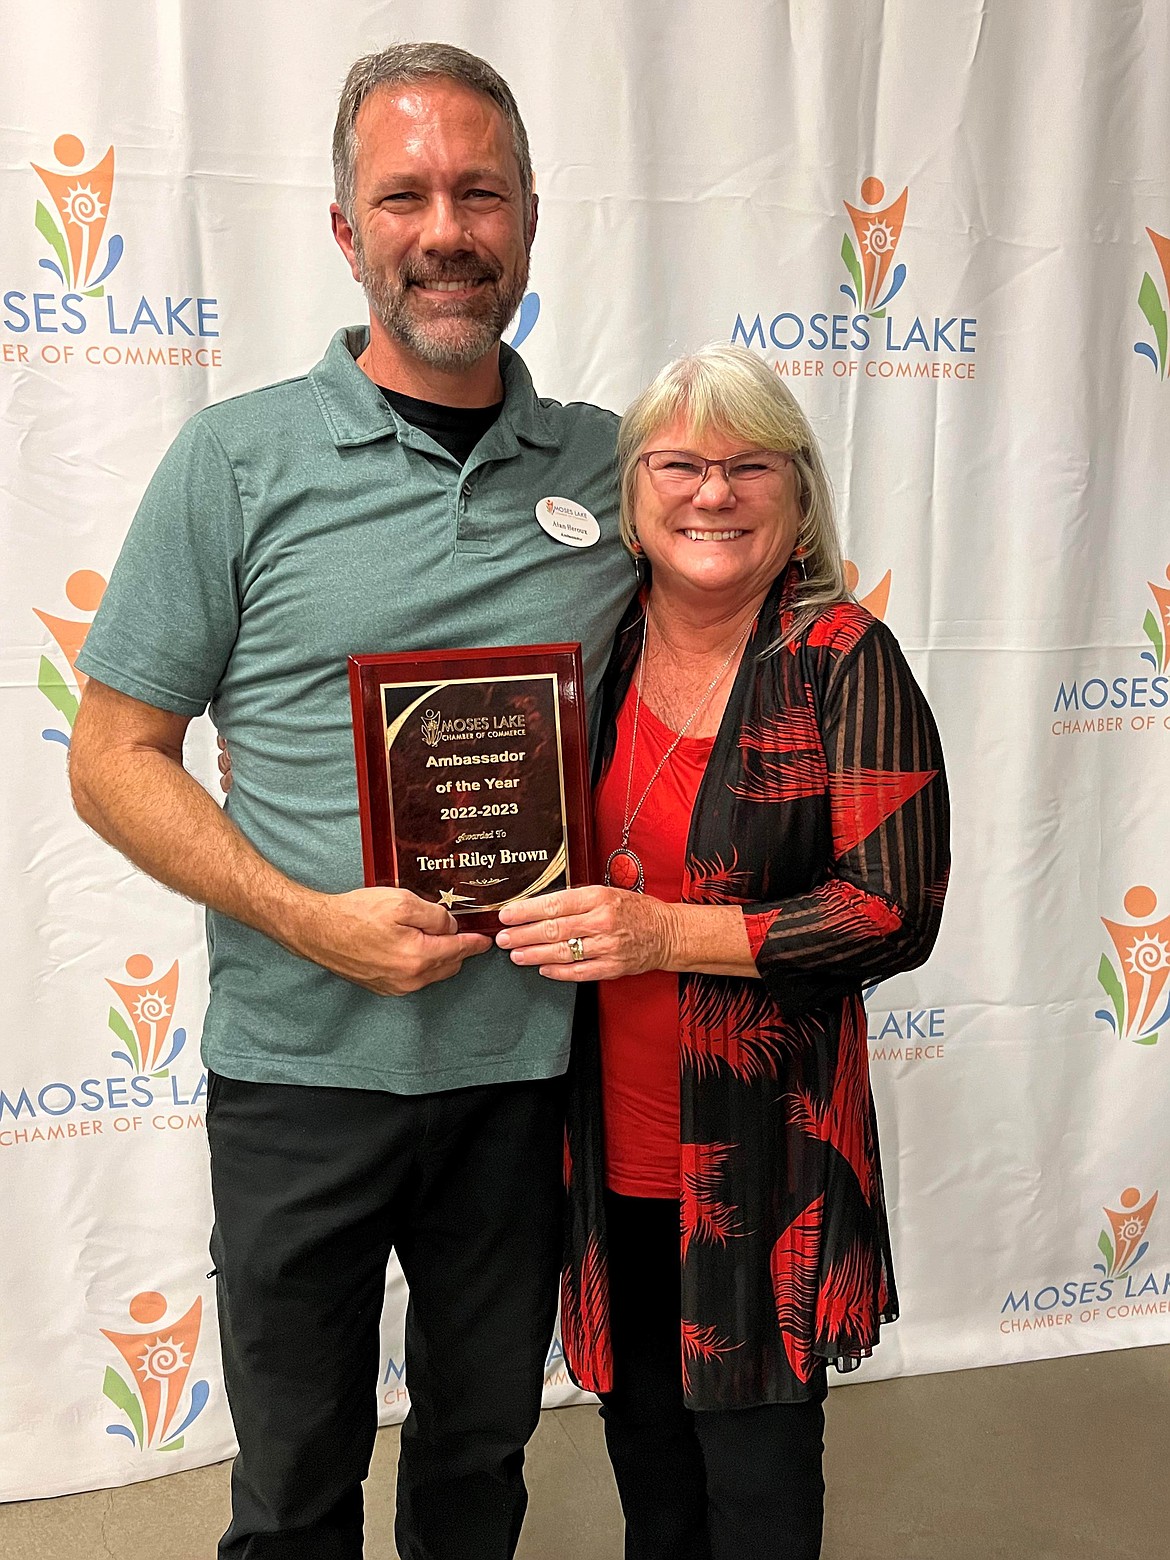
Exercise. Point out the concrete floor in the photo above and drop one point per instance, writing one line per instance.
(1043, 1461)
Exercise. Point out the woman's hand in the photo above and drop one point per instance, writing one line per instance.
(225, 765)
(621, 933)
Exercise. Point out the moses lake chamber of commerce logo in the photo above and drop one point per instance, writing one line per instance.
(1156, 626)
(876, 336)
(1153, 304)
(1138, 985)
(154, 1084)
(57, 676)
(159, 1402)
(81, 310)
(1123, 1244)
(76, 227)
(1125, 1286)
(435, 730)
(875, 279)
(149, 1045)
(1107, 701)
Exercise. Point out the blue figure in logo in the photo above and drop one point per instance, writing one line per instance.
(526, 319)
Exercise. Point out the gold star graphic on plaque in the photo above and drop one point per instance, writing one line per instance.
(448, 897)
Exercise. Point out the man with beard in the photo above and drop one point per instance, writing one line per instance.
(376, 1078)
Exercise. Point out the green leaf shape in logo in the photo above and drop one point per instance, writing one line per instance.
(1153, 632)
(171, 1446)
(849, 255)
(57, 690)
(1151, 306)
(49, 230)
(1146, 1039)
(1111, 985)
(1105, 1247)
(127, 1036)
(119, 1393)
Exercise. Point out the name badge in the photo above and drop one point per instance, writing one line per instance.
(567, 522)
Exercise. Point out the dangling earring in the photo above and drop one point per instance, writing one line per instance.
(800, 554)
(637, 552)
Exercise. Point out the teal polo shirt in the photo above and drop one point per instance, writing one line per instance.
(284, 531)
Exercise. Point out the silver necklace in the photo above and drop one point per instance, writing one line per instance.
(623, 868)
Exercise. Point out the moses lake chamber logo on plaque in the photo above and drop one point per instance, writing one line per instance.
(876, 334)
(77, 307)
(1137, 985)
(151, 1386)
(151, 1081)
(1117, 1282)
(496, 727)
(1133, 695)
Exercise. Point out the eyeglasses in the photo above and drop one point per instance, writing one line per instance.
(682, 471)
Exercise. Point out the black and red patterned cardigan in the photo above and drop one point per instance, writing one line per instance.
(824, 813)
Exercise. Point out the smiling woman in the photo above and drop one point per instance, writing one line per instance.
(723, 523)
(772, 808)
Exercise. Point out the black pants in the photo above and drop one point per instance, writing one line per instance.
(734, 1484)
(312, 1187)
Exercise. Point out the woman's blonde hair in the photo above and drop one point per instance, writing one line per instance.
(729, 390)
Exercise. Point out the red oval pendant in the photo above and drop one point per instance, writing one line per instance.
(624, 870)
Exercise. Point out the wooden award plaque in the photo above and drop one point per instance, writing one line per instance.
(473, 775)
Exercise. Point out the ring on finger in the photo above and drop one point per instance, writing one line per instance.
(576, 949)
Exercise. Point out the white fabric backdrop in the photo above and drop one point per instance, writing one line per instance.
(1001, 491)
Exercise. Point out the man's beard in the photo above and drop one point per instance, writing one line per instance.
(448, 340)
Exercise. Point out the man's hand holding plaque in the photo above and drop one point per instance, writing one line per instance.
(472, 775)
(389, 940)
(386, 939)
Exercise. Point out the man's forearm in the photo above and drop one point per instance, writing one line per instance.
(129, 784)
(146, 805)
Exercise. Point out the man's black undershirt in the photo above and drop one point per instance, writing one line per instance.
(457, 428)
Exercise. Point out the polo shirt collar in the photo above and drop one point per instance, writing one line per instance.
(356, 411)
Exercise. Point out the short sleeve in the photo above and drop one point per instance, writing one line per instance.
(170, 615)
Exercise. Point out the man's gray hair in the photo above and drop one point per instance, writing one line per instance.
(404, 65)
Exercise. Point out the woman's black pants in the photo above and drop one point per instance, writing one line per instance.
(720, 1484)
